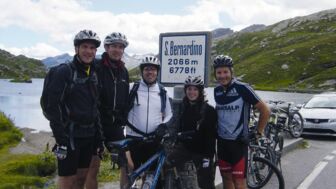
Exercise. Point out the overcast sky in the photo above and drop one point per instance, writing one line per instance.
(42, 28)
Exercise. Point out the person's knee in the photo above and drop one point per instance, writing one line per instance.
(240, 183)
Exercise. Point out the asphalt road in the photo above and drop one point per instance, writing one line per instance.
(313, 166)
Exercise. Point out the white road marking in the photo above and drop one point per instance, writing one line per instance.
(311, 177)
(329, 157)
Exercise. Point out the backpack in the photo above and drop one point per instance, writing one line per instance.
(71, 82)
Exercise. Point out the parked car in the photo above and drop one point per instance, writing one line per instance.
(319, 115)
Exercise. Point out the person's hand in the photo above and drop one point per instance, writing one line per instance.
(161, 130)
(60, 151)
(205, 162)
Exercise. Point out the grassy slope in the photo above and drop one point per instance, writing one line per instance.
(20, 66)
(19, 171)
(308, 51)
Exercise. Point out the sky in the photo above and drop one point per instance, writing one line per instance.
(44, 28)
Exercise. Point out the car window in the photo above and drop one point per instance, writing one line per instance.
(321, 102)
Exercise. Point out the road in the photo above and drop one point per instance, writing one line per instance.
(313, 166)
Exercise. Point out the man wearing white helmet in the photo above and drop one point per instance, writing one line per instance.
(73, 111)
(150, 111)
(114, 85)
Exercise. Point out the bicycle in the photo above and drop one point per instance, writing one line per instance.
(261, 172)
(287, 119)
(118, 148)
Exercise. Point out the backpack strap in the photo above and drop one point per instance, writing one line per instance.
(163, 97)
(133, 95)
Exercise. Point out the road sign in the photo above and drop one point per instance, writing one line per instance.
(183, 54)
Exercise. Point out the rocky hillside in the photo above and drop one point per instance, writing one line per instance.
(294, 53)
(20, 66)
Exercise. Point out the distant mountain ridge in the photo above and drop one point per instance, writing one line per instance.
(12, 66)
(130, 61)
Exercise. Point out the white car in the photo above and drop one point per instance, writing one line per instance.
(319, 115)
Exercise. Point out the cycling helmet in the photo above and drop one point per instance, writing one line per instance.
(150, 60)
(87, 35)
(194, 81)
(116, 37)
(222, 60)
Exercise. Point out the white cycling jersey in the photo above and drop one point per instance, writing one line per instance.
(146, 113)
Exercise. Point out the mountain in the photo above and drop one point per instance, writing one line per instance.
(53, 61)
(12, 66)
(130, 61)
(294, 53)
(253, 28)
(221, 32)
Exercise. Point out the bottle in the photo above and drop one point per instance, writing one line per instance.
(148, 181)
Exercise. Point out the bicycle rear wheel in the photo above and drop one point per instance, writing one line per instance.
(296, 125)
(260, 174)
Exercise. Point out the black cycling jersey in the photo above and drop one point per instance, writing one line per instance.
(203, 141)
(114, 89)
(233, 109)
(80, 104)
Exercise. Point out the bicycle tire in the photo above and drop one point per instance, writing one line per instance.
(260, 181)
(295, 125)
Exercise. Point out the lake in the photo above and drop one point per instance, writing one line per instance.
(21, 101)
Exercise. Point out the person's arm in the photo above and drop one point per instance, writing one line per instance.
(210, 124)
(263, 116)
(57, 90)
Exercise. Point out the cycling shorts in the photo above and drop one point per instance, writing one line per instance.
(232, 157)
(79, 158)
(142, 151)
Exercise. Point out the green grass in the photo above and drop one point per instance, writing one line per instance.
(307, 49)
(21, 170)
(106, 173)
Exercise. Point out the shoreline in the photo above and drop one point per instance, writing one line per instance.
(33, 142)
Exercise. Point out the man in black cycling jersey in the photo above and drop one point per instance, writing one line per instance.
(114, 87)
(75, 119)
(233, 102)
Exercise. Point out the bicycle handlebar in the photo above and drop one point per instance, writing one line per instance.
(123, 144)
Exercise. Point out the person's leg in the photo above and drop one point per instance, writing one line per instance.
(66, 182)
(205, 175)
(81, 177)
(67, 170)
(85, 147)
(239, 172)
(123, 172)
(91, 178)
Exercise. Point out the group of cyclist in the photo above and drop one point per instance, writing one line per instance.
(103, 107)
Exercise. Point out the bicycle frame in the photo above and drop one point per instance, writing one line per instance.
(161, 157)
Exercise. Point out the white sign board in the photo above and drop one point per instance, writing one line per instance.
(181, 55)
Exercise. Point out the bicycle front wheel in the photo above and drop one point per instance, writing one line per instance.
(296, 125)
(260, 174)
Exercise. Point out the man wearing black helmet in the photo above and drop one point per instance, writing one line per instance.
(233, 102)
(114, 83)
(74, 114)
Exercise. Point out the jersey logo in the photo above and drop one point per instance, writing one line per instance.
(228, 108)
(232, 92)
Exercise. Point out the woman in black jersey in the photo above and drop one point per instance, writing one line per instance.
(197, 115)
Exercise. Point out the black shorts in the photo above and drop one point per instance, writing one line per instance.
(142, 151)
(77, 159)
(232, 157)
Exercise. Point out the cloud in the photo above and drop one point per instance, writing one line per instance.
(60, 20)
(38, 51)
